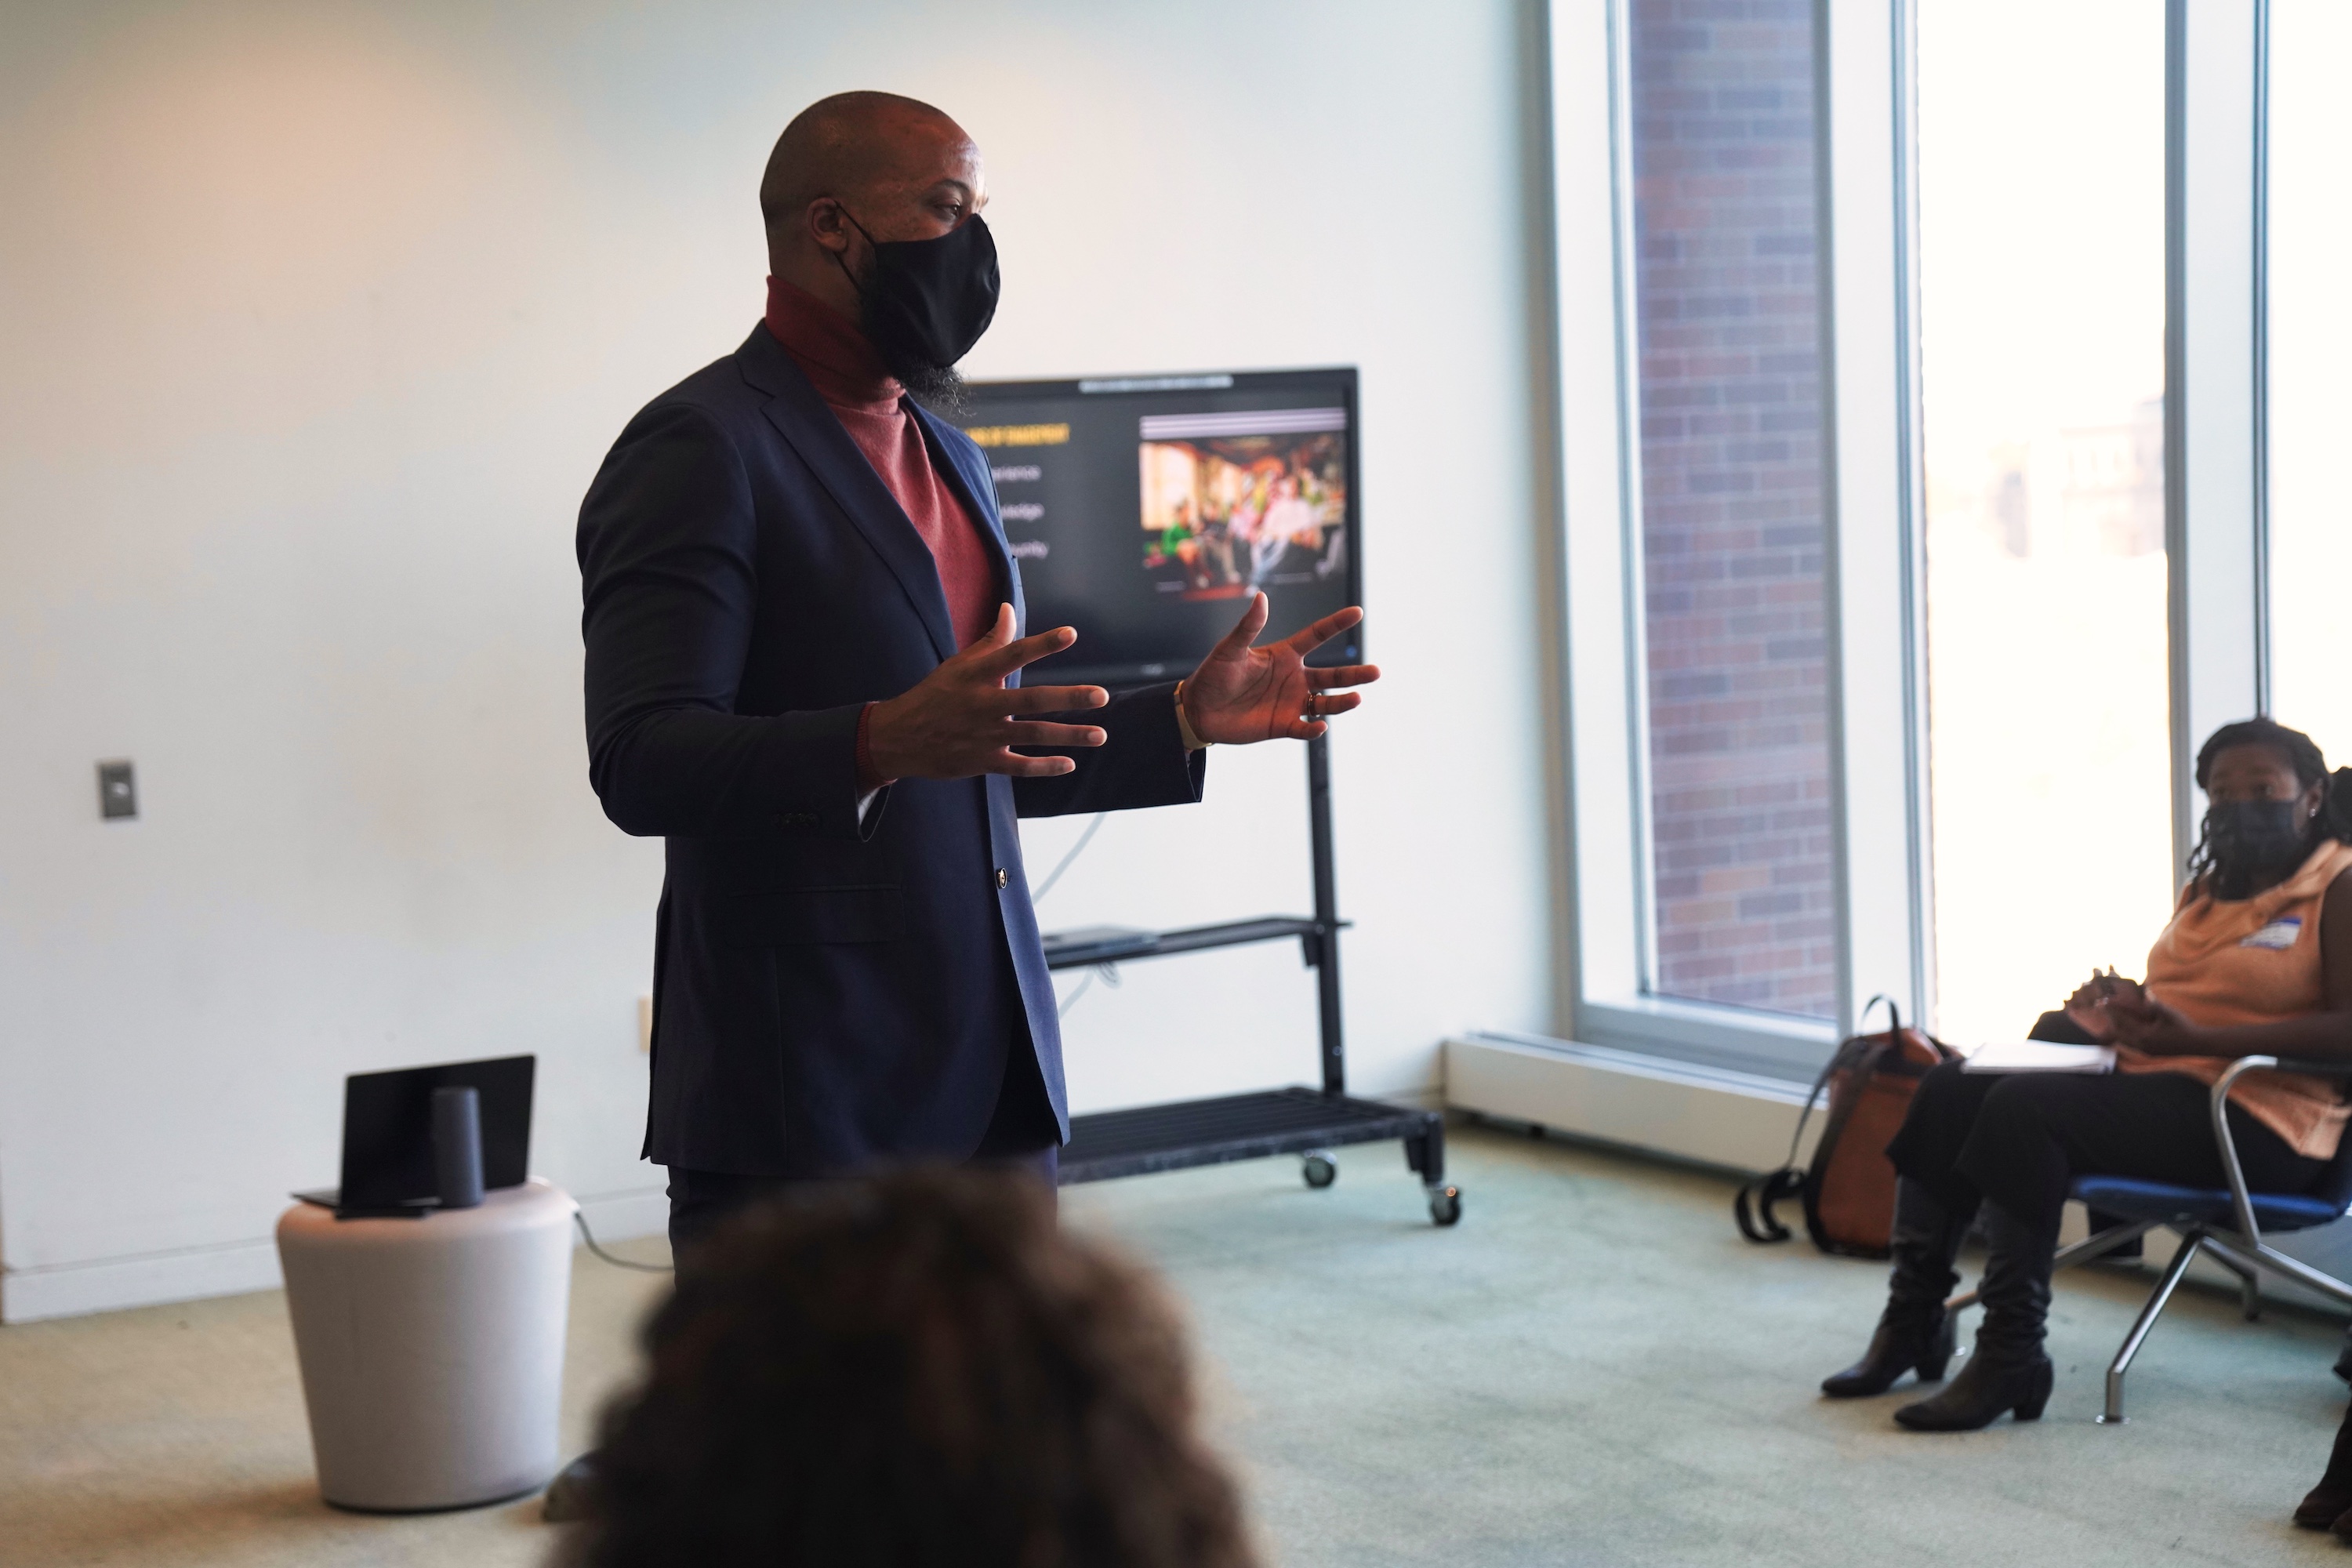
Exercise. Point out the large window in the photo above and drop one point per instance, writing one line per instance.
(1917, 478)
(2041, 258)
(2310, 401)
(1726, 222)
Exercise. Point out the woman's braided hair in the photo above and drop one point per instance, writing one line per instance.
(2303, 754)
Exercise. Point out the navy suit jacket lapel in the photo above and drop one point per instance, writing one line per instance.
(802, 418)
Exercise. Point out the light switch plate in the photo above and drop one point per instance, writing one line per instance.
(645, 1022)
(118, 792)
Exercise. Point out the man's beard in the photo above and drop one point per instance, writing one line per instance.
(938, 387)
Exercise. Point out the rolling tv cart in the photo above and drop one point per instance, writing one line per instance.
(1309, 1123)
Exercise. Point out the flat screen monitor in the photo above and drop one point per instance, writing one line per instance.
(1144, 511)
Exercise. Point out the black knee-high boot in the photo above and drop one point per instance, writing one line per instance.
(2008, 1370)
(2331, 1500)
(1915, 1333)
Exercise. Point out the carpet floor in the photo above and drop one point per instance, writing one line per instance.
(1591, 1368)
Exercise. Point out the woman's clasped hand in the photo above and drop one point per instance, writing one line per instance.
(2113, 1010)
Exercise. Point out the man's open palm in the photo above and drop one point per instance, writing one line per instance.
(1242, 693)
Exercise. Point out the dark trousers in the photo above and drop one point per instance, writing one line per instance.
(2021, 1138)
(1021, 1136)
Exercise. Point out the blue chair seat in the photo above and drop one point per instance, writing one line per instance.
(2129, 1199)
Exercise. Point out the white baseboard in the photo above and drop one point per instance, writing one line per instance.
(236, 1267)
(111, 1284)
(1715, 1116)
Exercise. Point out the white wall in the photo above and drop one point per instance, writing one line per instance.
(316, 319)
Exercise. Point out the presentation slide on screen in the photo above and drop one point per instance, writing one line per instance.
(1236, 502)
(1145, 522)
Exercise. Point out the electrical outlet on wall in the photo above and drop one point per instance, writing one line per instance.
(118, 792)
(645, 1023)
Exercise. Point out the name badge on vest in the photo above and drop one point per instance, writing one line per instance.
(2277, 935)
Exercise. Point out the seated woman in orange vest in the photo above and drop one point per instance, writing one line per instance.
(2257, 961)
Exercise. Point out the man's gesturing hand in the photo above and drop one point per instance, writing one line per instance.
(1242, 693)
(962, 719)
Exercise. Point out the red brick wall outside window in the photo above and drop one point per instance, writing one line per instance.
(1727, 231)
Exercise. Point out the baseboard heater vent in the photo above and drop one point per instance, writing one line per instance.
(1716, 1116)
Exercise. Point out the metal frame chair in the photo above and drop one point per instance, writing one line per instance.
(2226, 1226)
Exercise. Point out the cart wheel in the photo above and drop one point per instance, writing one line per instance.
(1446, 1205)
(1319, 1169)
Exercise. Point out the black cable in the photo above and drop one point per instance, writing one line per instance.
(1107, 973)
(590, 1238)
(1063, 1010)
(1085, 838)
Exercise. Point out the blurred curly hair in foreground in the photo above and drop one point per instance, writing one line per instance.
(914, 1371)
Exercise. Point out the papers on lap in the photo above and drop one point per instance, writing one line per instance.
(2039, 1055)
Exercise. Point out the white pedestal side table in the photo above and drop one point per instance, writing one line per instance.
(432, 1348)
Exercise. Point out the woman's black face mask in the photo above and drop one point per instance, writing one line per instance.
(926, 302)
(2249, 838)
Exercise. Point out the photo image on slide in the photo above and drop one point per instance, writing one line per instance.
(1233, 503)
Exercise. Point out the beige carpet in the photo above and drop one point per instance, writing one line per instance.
(1592, 1369)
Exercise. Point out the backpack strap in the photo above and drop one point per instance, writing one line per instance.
(1758, 1223)
(1751, 1207)
(1939, 1051)
(1893, 1016)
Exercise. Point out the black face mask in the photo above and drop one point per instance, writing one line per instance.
(926, 302)
(2249, 838)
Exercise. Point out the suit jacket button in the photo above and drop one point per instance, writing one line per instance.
(1003, 878)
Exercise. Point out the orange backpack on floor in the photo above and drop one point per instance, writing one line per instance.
(1849, 1188)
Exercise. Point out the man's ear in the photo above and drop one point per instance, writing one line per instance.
(828, 225)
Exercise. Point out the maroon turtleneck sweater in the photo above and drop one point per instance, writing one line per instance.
(874, 409)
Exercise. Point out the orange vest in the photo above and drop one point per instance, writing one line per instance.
(2252, 960)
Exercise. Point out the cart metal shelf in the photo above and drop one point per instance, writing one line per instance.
(1309, 1123)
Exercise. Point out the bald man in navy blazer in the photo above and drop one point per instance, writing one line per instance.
(780, 559)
